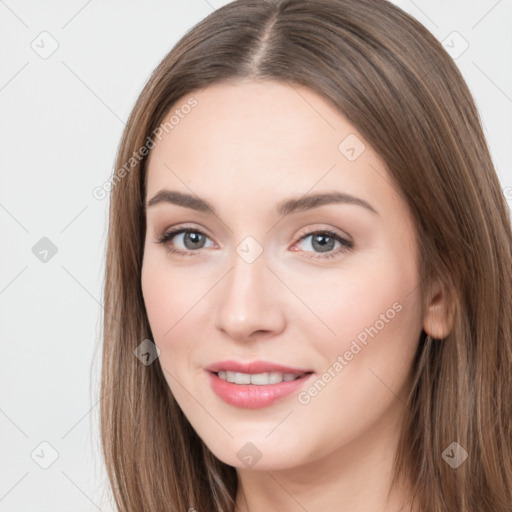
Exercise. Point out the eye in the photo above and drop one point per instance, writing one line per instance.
(191, 238)
(324, 242)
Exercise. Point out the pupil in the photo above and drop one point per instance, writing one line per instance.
(322, 242)
(325, 241)
(195, 239)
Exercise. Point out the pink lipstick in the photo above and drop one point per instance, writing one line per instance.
(256, 384)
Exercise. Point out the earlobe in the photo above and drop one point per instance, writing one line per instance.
(439, 314)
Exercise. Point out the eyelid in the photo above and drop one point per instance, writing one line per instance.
(346, 244)
(311, 230)
(168, 234)
(346, 241)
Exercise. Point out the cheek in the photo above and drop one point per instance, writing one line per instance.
(160, 296)
(366, 364)
(368, 314)
(170, 294)
(339, 303)
(177, 301)
(378, 328)
(164, 300)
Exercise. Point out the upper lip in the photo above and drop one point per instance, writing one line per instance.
(253, 367)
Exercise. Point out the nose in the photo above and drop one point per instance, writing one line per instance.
(249, 302)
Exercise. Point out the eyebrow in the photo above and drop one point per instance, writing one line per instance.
(283, 208)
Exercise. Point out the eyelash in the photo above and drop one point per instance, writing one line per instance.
(346, 245)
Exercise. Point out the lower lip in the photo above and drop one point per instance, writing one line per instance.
(252, 396)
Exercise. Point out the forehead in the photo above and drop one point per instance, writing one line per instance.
(262, 137)
(267, 117)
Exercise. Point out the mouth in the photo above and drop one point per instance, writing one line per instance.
(258, 379)
(255, 385)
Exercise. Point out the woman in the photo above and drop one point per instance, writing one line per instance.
(309, 274)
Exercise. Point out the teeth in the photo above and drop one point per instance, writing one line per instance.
(242, 378)
(276, 377)
(259, 379)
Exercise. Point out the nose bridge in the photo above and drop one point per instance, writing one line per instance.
(248, 275)
(245, 287)
(247, 302)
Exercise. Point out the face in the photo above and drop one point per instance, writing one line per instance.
(311, 306)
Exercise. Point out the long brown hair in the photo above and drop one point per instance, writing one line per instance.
(390, 77)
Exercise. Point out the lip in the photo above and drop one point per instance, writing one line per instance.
(254, 367)
(251, 396)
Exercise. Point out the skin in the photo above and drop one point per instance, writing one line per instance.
(244, 148)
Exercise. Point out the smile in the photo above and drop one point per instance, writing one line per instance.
(249, 386)
(258, 379)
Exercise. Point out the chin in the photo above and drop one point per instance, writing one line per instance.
(259, 454)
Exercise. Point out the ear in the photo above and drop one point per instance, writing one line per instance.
(439, 312)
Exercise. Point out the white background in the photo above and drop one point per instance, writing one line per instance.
(61, 122)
